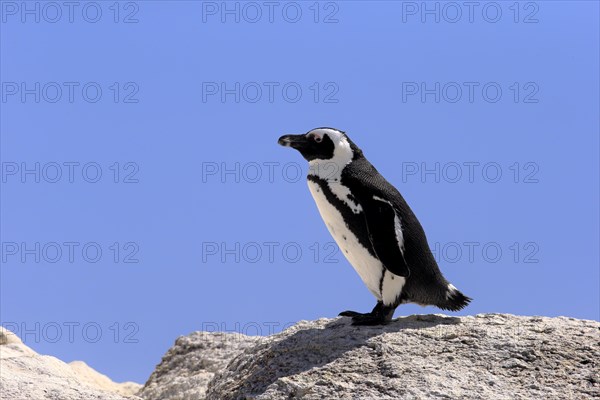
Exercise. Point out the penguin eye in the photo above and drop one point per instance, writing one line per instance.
(318, 139)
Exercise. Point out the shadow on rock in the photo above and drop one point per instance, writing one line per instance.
(304, 348)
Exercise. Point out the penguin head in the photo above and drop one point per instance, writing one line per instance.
(321, 144)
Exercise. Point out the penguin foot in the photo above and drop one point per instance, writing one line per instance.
(381, 315)
(369, 320)
(351, 314)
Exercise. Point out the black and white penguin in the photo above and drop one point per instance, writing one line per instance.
(373, 226)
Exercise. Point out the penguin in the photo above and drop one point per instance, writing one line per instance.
(373, 226)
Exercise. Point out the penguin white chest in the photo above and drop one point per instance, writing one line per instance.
(368, 267)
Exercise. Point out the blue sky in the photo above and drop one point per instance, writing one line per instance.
(144, 195)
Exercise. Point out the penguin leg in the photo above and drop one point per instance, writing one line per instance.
(375, 310)
(381, 315)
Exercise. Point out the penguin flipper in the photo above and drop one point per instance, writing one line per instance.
(385, 234)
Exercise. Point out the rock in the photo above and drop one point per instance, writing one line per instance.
(186, 369)
(8, 337)
(490, 356)
(90, 376)
(25, 374)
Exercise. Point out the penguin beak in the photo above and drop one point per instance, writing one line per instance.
(293, 141)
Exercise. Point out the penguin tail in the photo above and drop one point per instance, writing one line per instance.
(454, 300)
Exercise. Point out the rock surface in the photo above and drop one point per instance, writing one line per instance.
(27, 375)
(191, 363)
(90, 376)
(490, 356)
(421, 357)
